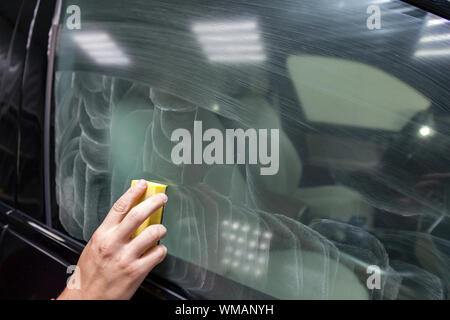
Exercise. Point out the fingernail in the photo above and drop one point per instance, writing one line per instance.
(142, 183)
(163, 197)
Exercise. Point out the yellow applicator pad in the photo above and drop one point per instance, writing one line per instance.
(155, 217)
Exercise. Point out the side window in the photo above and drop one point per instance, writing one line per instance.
(300, 163)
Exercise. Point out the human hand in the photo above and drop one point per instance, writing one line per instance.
(113, 265)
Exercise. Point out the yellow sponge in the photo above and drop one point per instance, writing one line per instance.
(156, 217)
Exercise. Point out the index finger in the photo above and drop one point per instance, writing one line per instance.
(125, 203)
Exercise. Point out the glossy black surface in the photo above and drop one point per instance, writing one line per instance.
(11, 66)
(22, 87)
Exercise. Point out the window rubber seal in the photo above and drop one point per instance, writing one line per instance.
(51, 49)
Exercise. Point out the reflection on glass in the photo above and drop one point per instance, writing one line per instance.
(436, 21)
(434, 42)
(437, 37)
(230, 41)
(425, 131)
(101, 47)
(432, 52)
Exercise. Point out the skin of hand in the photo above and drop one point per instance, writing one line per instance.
(113, 265)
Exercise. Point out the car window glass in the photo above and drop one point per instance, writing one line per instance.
(306, 157)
